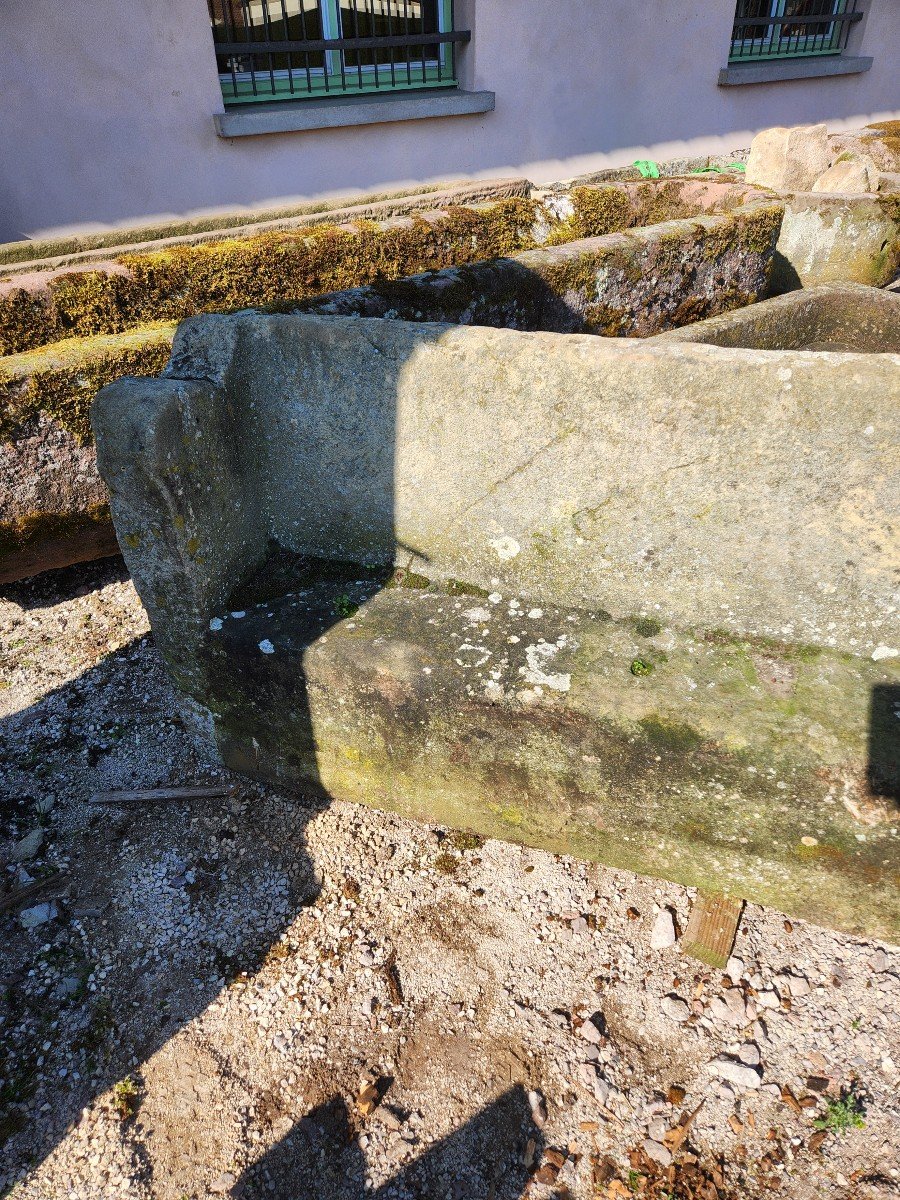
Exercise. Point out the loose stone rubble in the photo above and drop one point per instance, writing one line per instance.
(223, 983)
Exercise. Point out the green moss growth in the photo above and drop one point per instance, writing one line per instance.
(675, 737)
(265, 269)
(466, 839)
(641, 667)
(63, 380)
(38, 528)
(601, 210)
(457, 587)
(753, 231)
(408, 579)
(647, 627)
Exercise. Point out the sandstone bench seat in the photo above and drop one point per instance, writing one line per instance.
(630, 600)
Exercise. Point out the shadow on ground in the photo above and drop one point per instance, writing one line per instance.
(483, 1160)
(156, 910)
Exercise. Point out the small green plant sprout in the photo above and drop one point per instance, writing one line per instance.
(641, 667)
(856, 1024)
(647, 167)
(125, 1098)
(466, 839)
(843, 1114)
(344, 606)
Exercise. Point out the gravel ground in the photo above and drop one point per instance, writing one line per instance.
(265, 996)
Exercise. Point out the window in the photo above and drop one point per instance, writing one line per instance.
(299, 49)
(766, 29)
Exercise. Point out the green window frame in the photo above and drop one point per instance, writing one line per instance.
(779, 29)
(294, 49)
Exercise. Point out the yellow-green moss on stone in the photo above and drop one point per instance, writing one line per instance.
(265, 269)
(38, 528)
(61, 381)
(597, 211)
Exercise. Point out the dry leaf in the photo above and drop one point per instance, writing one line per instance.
(736, 1125)
(788, 1098)
(815, 1142)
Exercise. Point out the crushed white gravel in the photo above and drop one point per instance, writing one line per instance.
(280, 997)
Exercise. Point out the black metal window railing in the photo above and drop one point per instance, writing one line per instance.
(296, 49)
(791, 28)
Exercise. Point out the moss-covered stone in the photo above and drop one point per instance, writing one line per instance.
(62, 381)
(700, 772)
(270, 268)
(600, 210)
(25, 532)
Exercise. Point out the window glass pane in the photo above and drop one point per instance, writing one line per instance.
(754, 8)
(389, 18)
(808, 8)
(271, 21)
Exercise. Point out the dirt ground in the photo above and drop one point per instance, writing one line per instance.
(270, 996)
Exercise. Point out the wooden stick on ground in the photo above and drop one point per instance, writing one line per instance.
(712, 928)
(31, 890)
(151, 795)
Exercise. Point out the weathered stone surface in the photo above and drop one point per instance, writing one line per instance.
(880, 143)
(631, 284)
(837, 239)
(789, 159)
(696, 771)
(53, 507)
(849, 176)
(836, 317)
(625, 670)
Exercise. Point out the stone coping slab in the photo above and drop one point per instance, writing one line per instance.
(45, 253)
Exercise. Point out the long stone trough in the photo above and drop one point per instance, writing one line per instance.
(634, 600)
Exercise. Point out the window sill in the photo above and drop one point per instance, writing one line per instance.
(792, 68)
(335, 112)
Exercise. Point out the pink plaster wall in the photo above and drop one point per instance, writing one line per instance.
(107, 110)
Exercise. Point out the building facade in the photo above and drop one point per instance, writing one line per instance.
(123, 114)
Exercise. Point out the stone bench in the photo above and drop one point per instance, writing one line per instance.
(630, 600)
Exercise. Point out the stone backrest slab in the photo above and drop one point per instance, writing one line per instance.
(751, 491)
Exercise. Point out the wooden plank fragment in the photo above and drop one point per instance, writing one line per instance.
(149, 795)
(712, 928)
(40, 887)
